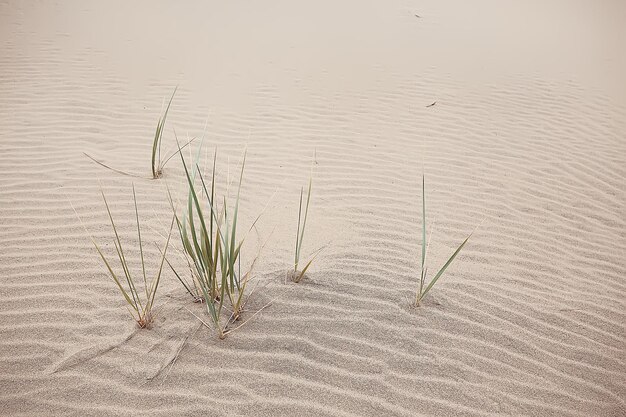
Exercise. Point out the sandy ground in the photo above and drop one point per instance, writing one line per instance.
(528, 133)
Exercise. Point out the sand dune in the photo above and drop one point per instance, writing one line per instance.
(528, 135)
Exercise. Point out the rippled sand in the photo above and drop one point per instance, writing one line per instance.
(528, 132)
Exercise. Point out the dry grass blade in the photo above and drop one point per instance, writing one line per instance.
(108, 167)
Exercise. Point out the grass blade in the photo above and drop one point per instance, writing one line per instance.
(421, 292)
(155, 284)
(143, 264)
(306, 214)
(122, 257)
(115, 279)
(442, 270)
(297, 255)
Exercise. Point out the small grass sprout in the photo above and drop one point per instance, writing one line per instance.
(422, 288)
(140, 310)
(303, 213)
(157, 163)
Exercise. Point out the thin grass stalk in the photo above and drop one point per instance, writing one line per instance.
(120, 253)
(421, 292)
(143, 263)
(306, 215)
(302, 219)
(155, 283)
(296, 254)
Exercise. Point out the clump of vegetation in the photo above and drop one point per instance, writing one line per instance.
(302, 218)
(199, 250)
(423, 290)
(209, 238)
(141, 310)
(157, 163)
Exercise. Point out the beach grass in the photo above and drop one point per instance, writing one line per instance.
(423, 289)
(303, 213)
(157, 163)
(208, 229)
(140, 307)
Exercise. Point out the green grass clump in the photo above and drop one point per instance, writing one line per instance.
(140, 310)
(423, 290)
(209, 239)
(157, 163)
(302, 217)
(199, 249)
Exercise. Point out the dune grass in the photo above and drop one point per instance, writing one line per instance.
(201, 258)
(422, 288)
(302, 218)
(157, 163)
(209, 238)
(140, 310)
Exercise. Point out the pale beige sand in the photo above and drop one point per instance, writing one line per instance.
(529, 131)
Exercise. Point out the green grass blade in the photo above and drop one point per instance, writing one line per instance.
(184, 238)
(442, 270)
(214, 217)
(115, 278)
(164, 118)
(196, 250)
(297, 254)
(120, 253)
(182, 281)
(212, 188)
(193, 179)
(306, 214)
(197, 205)
(189, 216)
(224, 283)
(234, 226)
(301, 274)
(174, 154)
(207, 238)
(155, 144)
(143, 264)
(155, 284)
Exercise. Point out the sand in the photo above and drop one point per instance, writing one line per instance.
(528, 135)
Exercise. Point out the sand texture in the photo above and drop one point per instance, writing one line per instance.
(527, 135)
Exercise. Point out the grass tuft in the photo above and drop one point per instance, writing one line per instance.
(208, 235)
(422, 288)
(140, 307)
(157, 163)
(302, 218)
